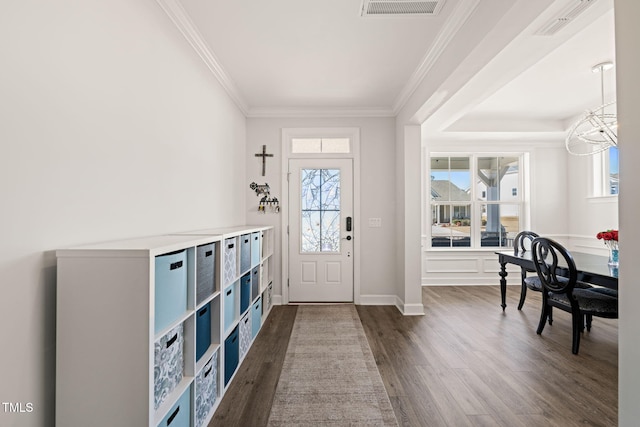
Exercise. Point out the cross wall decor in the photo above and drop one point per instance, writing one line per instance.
(264, 156)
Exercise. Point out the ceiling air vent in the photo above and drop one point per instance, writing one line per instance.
(400, 7)
(564, 17)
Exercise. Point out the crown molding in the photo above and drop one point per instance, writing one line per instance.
(463, 11)
(177, 14)
(319, 112)
(180, 18)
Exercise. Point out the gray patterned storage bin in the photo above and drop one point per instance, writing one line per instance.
(206, 389)
(205, 273)
(245, 334)
(168, 365)
(230, 260)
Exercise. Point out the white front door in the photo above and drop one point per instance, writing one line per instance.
(321, 230)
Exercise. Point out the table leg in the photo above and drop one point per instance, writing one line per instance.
(503, 284)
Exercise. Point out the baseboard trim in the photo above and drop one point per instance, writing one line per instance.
(377, 300)
(409, 309)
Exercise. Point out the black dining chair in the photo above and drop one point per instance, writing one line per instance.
(522, 244)
(566, 292)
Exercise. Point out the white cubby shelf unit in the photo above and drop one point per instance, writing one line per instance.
(140, 326)
(247, 287)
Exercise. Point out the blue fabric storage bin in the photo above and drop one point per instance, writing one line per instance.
(229, 301)
(256, 317)
(205, 271)
(245, 253)
(203, 330)
(245, 292)
(180, 413)
(255, 248)
(255, 282)
(170, 288)
(231, 354)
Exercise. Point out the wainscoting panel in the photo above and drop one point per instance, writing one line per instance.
(463, 268)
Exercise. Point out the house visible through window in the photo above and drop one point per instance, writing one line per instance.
(474, 200)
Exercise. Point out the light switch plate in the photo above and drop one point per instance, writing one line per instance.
(375, 222)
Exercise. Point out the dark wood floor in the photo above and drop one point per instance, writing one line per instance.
(464, 363)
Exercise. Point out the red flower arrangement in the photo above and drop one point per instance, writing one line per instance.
(610, 238)
(608, 235)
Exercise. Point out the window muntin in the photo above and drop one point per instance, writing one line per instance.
(493, 216)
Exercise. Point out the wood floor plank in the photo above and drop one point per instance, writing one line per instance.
(503, 362)
(465, 362)
(247, 401)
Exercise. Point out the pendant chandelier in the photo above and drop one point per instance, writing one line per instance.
(596, 130)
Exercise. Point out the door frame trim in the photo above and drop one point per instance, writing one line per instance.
(353, 133)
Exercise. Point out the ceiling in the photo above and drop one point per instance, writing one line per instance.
(475, 67)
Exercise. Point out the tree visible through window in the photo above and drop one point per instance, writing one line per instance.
(320, 202)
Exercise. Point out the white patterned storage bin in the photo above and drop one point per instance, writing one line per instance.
(230, 260)
(245, 334)
(168, 365)
(269, 297)
(264, 275)
(206, 389)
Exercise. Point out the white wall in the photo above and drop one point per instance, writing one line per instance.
(377, 194)
(110, 127)
(628, 97)
(588, 215)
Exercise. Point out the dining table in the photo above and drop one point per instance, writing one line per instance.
(593, 269)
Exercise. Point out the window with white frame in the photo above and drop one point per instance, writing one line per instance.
(475, 200)
(605, 173)
(612, 172)
(320, 145)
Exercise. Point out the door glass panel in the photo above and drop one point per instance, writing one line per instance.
(330, 185)
(320, 210)
(330, 231)
(310, 225)
(310, 190)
